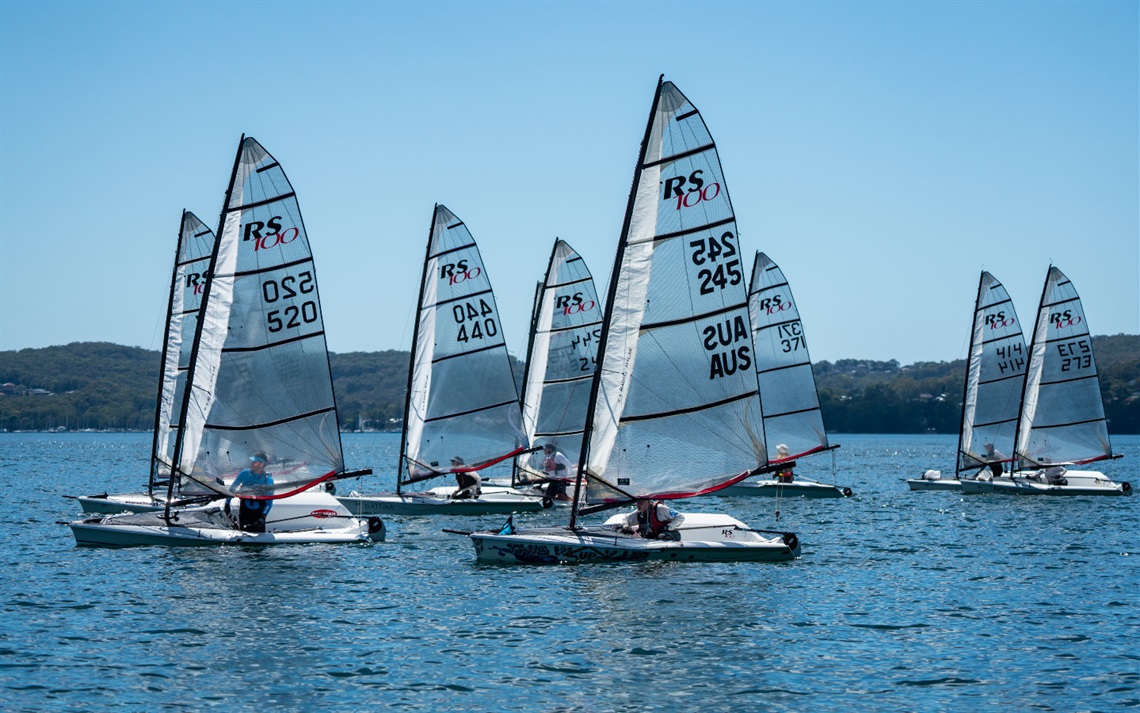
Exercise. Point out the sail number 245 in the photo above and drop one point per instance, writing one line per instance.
(710, 251)
(288, 287)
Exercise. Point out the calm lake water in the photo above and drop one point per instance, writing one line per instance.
(902, 601)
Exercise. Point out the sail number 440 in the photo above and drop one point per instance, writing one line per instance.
(473, 321)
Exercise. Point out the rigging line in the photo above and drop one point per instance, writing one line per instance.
(267, 201)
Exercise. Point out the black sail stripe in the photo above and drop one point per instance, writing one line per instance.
(1065, 301)
(270, 424)
(686, 115)
(1003, 378)
(1067, 339)
(270, 345)
(769, 287)
(555, 434)
(575, 326)
(453, 226)
(468, 413)
(267, 166)
(569, 380)
(1070, 423)
(204, 232)
(1067, 381)
(451, 250)
(193, 260)
(691, 409)
(191, 311)
(781, 368)
(271, 268)
(991, 305)
(567, 284)
(267, 201)
(679, 156)
(473, 351)
(456, 299)
(689, 231)
(999, 339)
(791, 413)
(694, 318)
(995, 423)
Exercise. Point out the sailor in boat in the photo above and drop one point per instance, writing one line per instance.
(993, 461)
(653, 520)
(252, 513)
(1054, 474)
(557, 469)
(468, 482)
(784, 474)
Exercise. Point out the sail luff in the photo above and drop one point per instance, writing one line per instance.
(164, 400)
(973, 370)
(530, 401)
(608, 308)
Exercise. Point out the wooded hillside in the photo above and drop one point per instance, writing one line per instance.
(101, 386)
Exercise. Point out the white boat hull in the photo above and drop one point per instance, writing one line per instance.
(306, 518)
(126, 502)
(795, 489)
(1074, 482)
(925, 484)
(703, 538)
(493, 501)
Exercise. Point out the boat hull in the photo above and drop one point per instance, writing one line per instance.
(795, 489)
(436, 502)
(1074, 483)
(704, 538)
(109, 504)
(925, 484)
(307, 518)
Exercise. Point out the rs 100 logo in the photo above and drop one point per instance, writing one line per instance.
(269, 234)
(458, 272)
(695, 193)
(1061, 320)
(573, 304)
(999, 321)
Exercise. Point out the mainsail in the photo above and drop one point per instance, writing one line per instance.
(462, 399)
(561, 359)
(187, 283)
(259, 378)
(674, 411)
(1062, 414)
(792, 416)
(995, 374)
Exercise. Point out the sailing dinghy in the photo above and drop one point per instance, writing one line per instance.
(793, 421)
(1061, 421)
(673, 411)
(462, 412)
(560, 364)
(995, 372)
(191, 258)
(258, 387)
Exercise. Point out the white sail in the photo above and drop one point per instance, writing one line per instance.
(259, 378)
(187, 284)
(995, 374)
(561, 361)
(1062, 414)
(792, 416)
(462, 399)
(675, 411)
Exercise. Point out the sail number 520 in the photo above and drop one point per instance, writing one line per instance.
(288, 287)
(711, 250)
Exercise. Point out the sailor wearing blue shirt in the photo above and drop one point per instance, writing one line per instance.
(252, 514)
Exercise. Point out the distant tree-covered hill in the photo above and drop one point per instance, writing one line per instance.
(106, 386)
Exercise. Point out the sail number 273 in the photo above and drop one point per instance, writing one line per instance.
(288, 287)
(473, 321)
(1075, 355)
(712, 251)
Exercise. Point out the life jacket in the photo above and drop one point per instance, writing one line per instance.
(465, 480)
(651, 525)
(785, 476)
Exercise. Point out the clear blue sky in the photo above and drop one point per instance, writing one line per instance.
(882, 153)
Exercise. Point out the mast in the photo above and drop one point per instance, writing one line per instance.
(538, 291)
(966, 381)
(611, 291)
(1038, 328)
(412, 360)
(176, 461)
(165, 351)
